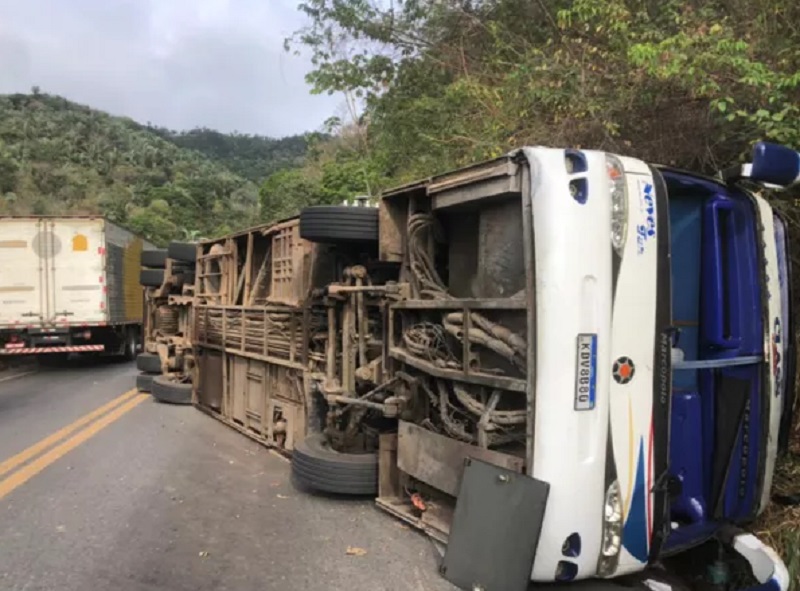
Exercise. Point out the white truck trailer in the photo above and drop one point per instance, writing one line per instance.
(69, 284)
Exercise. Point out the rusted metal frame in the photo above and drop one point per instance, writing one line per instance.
(361, 310)
(248, 267)
(231, 271)
(206, 257)
(292, 339)
(466, 349)
(244, 330)
(254, 290)
(504, 166)
(284, 309)
(387, 340)
(388, 475)
(304, 351)
(265, 349)
(438, 460)
(330, 346)
(502, 382)
(205, 333)
(249, 355)
(530, 300)
(456, 304)
(239, 288)
(238, 277)
(348, 371)
(342, 289)
(355, 401)
(224, 328)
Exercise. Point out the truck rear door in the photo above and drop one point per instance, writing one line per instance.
(22, 272)
(76, 271)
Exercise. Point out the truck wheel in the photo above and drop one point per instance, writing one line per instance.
(154, 259)
(318, 467)
(339, 223)
(144, 382)
(148, 363)
(131, 346)
(151, 277)
(182, 251)
(167, 390)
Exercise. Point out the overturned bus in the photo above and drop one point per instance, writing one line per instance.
(560, 364)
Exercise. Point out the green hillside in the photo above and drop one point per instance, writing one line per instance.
(58, 157)
(253, 157)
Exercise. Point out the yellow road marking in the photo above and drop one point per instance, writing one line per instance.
(38, 448)
(25, 473)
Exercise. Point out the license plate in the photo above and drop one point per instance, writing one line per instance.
(586, 372)
(15, 345)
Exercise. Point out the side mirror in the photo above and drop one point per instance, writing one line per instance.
(773, 166)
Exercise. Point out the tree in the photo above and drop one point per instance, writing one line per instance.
(448, 82)
(285, 192)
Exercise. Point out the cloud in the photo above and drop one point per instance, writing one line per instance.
(176, 63)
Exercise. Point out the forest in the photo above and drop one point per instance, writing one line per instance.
(58, 157)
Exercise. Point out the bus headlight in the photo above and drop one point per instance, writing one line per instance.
(619, 202)
(612, 532)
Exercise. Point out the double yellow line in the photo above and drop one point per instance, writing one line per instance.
(102, 417)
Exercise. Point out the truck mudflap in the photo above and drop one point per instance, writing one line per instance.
(41, 350)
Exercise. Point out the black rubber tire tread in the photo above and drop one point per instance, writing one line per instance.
(151, 277)
(182, 251)
(148, 363)
(165, 390)
(317, 467)
(144, 382)
(339, 223)
(154, 259)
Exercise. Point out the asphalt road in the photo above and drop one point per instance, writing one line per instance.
(141, 496)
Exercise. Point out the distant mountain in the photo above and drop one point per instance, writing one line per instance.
(58, 157)
(253, 157)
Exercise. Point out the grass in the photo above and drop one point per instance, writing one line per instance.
(779, 526)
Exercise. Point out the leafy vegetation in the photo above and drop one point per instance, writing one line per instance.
(57, 157)
(252, 157)
(445, 83)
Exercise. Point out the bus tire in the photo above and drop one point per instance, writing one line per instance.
(144, 382)
(151, 277)
(318, 467)
(148, 363)
(339, 223)
(182, 251)
(172, 392)
(154, 259)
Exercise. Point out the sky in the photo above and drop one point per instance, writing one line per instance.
(175, 63)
